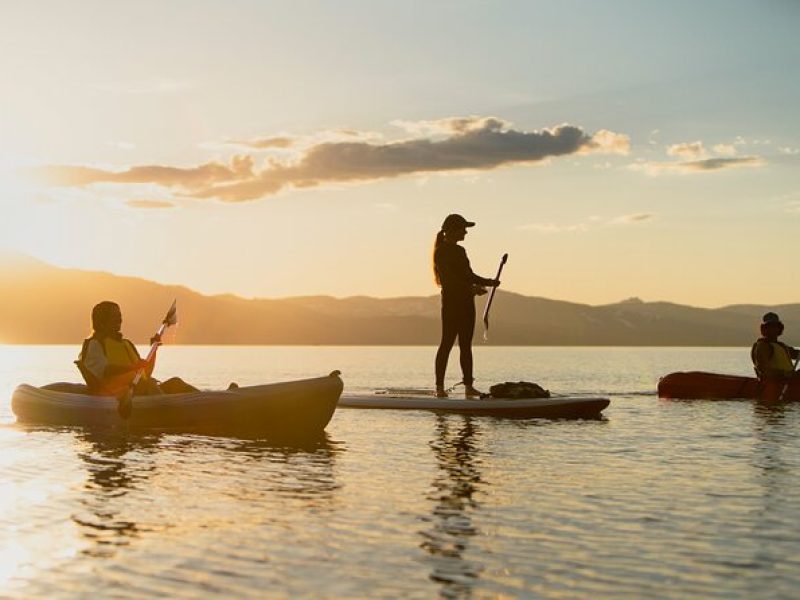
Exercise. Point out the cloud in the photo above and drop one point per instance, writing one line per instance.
(263, 143)
(697, 166)
(788, 150)
(343, 134)
(451, 125)
(689, 150)
(289, 141)
(469, 144)
(631, 219)
(717, 164)
(192, 178)
(696, 159)
(742, 141)
(607, 142)
(726, 149)
(150, 204)
(477, 145)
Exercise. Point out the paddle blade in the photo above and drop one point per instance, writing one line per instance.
(172, 314)
(125, 404)
(486, 316)
(785, 389)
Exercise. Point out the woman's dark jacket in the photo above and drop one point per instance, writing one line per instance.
(455, 274)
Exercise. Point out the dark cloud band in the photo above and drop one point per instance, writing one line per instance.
(471, 143)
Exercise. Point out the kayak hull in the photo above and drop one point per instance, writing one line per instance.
(547, 408)
(288, 409)
(714, 386)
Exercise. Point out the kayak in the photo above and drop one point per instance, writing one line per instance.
(549, 408)
(289, 408)
(714, 386)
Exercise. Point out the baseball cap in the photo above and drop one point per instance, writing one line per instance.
(454, 221)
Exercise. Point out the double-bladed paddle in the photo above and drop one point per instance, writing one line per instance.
(125, 405)
(491, 297)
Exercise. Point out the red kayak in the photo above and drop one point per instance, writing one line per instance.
(713, 386)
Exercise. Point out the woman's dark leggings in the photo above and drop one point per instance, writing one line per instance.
(458, 320)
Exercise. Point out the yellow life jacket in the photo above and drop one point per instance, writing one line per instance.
(779, 358)
(119, 353)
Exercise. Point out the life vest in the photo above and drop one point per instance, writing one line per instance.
(779, 358)
(118, 353)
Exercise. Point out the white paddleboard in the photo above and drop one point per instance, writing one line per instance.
(560, 407)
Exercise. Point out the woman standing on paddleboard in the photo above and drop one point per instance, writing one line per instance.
(459, 285)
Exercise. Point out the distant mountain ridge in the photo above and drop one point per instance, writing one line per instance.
(43, 304)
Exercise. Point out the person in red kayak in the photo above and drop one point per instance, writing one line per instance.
(452, 272)
(109, 362)
(772, 359)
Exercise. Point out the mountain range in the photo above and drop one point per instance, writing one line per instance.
(44, 304)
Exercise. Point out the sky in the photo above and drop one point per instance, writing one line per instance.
(270, 149)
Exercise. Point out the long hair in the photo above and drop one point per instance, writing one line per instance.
(101, 315)
(436, 244)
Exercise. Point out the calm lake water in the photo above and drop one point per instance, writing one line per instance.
(663, 499)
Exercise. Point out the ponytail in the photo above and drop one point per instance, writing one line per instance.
(438, 242)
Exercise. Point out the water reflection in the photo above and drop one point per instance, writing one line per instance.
(299, 469)
(458, 480)
(197, 481)
(116, 464)
(772, 431)
(774, 452)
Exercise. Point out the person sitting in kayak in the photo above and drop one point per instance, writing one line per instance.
(773, 359)
(452, 272)
(109, 362)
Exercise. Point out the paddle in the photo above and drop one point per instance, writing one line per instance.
(491, 298)
(788, 381)
(125, 404)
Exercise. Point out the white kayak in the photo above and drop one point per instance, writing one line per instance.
(290, 408)
(563, 407)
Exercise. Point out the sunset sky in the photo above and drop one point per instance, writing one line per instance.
(613, 149)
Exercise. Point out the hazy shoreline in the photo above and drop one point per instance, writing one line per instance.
(44, 304)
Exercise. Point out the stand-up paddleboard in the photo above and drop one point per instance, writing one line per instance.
(564, 407)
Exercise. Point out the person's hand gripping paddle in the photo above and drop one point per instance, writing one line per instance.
(490, 299)
(125, 404)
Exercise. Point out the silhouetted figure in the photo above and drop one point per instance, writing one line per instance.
(772, 359)
(109, 362)
(459, 285)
